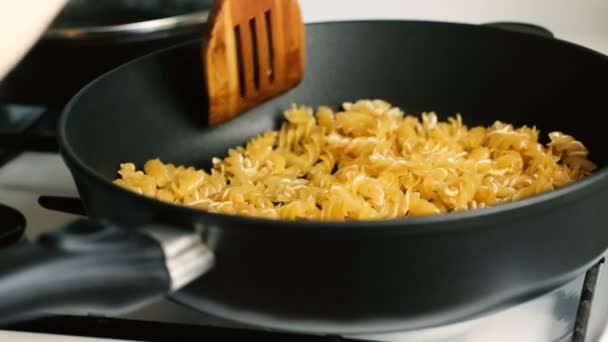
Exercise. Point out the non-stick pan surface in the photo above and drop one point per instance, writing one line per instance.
(361, 276)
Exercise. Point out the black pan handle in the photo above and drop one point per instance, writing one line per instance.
(95, 268)
(69, 205)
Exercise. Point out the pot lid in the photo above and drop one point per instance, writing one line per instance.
(93, 18)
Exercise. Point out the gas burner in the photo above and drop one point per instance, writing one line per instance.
(12, 227)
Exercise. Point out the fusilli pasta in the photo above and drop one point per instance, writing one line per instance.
(368, 161)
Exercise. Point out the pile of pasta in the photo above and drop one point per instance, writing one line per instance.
(368, 160)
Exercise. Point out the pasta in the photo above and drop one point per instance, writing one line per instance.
(368, 161)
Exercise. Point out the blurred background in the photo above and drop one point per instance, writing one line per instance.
(89, 37)
(583, 21)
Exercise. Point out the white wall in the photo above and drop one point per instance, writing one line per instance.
(582, 21)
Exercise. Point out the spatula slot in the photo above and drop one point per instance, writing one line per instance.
(267, 16)
(254, 48)
(240, 59)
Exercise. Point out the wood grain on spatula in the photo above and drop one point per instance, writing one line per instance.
(254, 51)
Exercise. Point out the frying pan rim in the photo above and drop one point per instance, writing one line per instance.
(416, 224)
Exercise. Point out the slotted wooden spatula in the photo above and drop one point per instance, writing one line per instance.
(253, 52)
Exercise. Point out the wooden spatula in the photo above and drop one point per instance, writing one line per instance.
(253, 52)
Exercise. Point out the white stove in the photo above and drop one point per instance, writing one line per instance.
(548, 318)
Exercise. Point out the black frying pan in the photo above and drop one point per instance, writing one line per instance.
(322, 277)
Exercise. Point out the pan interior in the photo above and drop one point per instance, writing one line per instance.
(156, 107)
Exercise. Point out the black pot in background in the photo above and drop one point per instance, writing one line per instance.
(90, 37)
